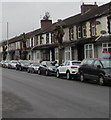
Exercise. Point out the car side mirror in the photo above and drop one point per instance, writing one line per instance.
(61, 65)
(98, 66)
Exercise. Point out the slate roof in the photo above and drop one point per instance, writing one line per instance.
(76, 19)
(91, 14)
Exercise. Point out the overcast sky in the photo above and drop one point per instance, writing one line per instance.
(25, 16)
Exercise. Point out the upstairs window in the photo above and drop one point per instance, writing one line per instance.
(47, 38)
(41, 38)
(52, 38)
(79, 31)
(84, 30)
(71, 33)
(36, 40)
(93, 29)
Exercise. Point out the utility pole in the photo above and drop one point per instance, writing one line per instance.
(7, 41)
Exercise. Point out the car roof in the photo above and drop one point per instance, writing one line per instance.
(72, 61)
(97, 59)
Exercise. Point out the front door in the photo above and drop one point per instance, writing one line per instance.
(80, 49)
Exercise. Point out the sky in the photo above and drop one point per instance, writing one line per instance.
(25, 15)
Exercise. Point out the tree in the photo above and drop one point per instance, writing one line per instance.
(24, 52)
(4, 48)
(46, 16)
(59, 33)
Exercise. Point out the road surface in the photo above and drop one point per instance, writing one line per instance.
(27, 95)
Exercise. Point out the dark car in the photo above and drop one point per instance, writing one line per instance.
(47, 68)
(33, 68)
(22, 65)
(96, 69)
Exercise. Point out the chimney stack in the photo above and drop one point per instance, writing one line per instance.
(86, 7)
(45, 23)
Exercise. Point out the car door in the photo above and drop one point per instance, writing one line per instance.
(62, 68)
(88, 68)
(96, 69)
(67, 65)
(43, 67)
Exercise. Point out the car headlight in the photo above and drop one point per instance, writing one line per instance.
(50, 68)
(22, 65)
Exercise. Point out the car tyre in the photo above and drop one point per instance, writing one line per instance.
(101, 80)
(39, 72)
(68, 75)
(16, 68)
(82, 79)
(20, 68)
(57, 74)
(46, 73)
(28, 70)
(33, 71)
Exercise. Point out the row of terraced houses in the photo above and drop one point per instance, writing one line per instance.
(87, 35)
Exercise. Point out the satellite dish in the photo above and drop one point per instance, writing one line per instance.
(103, 32)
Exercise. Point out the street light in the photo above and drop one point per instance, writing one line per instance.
(7, 33)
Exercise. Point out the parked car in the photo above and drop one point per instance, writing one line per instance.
(33, 68)
(96, 69)
(12, 64)
(5, 63)
(68, 69)
(47, 68)
(22, 65)
(1, 63)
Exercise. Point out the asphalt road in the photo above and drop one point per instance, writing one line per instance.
(28, 95)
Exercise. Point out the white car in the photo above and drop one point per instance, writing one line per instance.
(12, 64)
(68, 68)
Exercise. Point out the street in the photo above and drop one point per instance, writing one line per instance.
(28, 95)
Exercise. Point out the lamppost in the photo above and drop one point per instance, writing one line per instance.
(7, 41)
(6, 46)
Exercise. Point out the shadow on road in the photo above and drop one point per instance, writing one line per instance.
(12, 104)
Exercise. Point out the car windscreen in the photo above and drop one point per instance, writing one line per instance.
(50, 64)
(14, 62)
(35, 64)
(25, 62)
(76, 63)
(106, 63)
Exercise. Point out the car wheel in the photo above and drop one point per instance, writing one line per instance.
(68, 76)
(82, 77)
(16, 68)
(39, 72)
(46, 73)
(101, 80)
(28, 70)
(57, 74)
(20, 68)
(33, 71)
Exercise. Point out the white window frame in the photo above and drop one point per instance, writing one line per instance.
(88, 49)
(84, 31)
(93, 29)
(71, 33)
(68, 51)
(79, 31)
(105, 47)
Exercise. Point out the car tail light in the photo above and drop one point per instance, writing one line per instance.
(74, 67)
